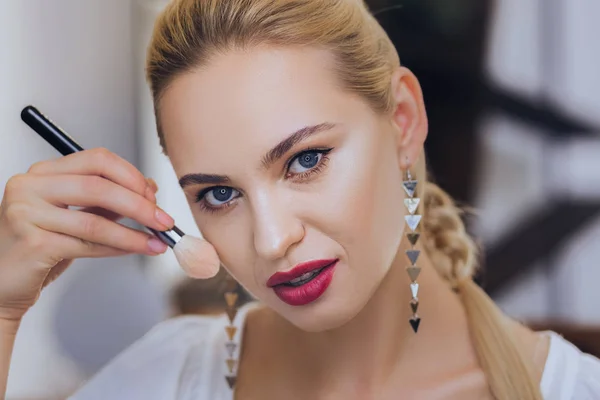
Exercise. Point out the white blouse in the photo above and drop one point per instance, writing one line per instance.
(184, 359)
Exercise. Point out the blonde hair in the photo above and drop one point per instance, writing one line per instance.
(189, 32)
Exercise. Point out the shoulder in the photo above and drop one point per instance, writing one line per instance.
(151, 367)
(569, 374)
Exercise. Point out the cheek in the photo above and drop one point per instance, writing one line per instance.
(362, 207)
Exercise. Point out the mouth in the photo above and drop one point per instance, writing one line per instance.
(300, 274)
(303, 284)
(305, 278)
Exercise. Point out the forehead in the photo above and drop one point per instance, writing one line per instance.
(247, 99)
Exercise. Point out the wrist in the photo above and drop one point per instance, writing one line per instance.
(9, 327)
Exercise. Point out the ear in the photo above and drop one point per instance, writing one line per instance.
(409, 117)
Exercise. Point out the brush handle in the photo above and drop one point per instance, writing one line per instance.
(170, 237)
(67, 145)
(49, 131)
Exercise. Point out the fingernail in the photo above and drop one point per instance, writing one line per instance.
(149, 194)
(152, 184)
(156, 246)
(164, 219)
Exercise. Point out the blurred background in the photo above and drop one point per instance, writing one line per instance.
(513, 94)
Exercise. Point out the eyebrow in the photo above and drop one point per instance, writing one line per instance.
(268, 159)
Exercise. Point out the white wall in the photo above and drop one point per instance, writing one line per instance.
(72, 59)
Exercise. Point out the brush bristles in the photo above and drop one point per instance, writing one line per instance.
(197, 257)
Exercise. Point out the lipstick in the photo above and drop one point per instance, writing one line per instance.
(305, 283)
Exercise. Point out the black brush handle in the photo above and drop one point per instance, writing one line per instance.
(49, 131)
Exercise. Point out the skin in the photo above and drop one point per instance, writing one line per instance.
(222, 119)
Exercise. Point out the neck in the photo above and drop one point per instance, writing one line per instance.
(378, 346)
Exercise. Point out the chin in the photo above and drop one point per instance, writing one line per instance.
(328, 320)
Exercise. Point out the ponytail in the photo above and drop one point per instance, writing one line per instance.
(453, 253)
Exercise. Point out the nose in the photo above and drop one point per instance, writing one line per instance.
(276, 228)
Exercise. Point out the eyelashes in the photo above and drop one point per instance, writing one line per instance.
(301, 168)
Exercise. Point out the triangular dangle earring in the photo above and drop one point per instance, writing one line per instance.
(413, 220)
(231, 298)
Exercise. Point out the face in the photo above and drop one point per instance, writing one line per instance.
(282, 167)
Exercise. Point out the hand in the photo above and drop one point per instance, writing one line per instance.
(41, 233)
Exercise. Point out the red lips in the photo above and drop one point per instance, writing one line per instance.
(297, 271)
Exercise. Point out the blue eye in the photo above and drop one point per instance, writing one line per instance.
(218, 196)
(305, 161)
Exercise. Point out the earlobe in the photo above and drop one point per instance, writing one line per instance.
(408, 115)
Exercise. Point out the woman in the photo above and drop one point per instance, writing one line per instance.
(298, 140)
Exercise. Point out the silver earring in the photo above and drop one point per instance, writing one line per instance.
(412, 220)
(231, 298)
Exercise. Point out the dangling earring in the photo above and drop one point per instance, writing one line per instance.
(231, 298)
(412, 203)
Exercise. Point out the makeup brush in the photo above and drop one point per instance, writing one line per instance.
(195, 256)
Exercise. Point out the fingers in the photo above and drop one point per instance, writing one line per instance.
(72, 247)
(41, 232)
(99, 162)
(95, 230)
(94, 191)
(109, 215)
(112, 216)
